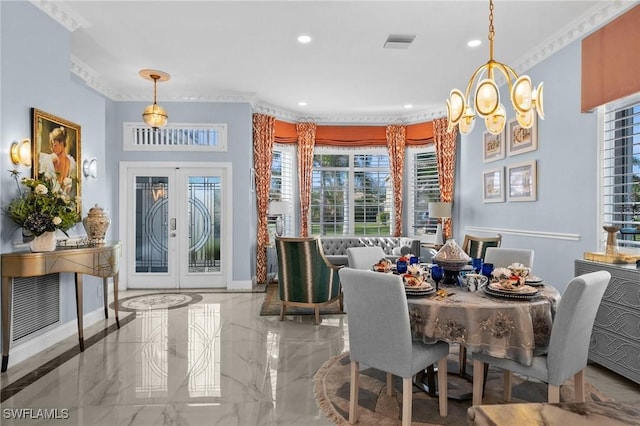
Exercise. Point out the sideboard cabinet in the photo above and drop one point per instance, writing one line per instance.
(615, 341)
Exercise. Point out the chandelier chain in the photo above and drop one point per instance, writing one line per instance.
(492, 31)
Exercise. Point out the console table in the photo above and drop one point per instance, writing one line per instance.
(98, 261)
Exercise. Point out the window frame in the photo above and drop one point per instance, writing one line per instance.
(410, 154)
(607, 209)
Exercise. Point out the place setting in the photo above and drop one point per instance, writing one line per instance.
(513, 282)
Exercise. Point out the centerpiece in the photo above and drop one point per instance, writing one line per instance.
(41, 208)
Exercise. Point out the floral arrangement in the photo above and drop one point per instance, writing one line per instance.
(514, 275)
(42, 205)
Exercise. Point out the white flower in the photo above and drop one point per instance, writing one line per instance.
(66, 181)
(57, 221)
(41, 189)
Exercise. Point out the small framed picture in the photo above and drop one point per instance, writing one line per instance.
(493, 185)
(522, 178)
(521, 140)
(492, 147)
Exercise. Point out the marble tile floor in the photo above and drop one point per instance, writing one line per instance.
(215, 362)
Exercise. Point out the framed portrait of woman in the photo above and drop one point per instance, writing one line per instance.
(56, 150)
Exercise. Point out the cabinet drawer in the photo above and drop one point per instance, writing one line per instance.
(615, 353)
(619, 320)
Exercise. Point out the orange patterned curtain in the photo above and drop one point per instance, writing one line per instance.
(446, 156)
(263, 136)
(306, 142)
(396, 140)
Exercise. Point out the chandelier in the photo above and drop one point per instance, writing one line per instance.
(526, 99)
(154, 115)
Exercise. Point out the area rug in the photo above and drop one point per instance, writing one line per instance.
(153, 301)
(271, 305)
(331, 389)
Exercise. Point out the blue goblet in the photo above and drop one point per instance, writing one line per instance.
(476, 262)
(487, 269)
(401, 266)
(437, 273)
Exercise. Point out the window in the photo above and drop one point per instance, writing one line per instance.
(423, 188)
(282, 184)
(351, 192)
(621, 170)
(175, 137)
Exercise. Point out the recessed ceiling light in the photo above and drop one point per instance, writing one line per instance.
(474, 43)
(304, 39)
(408, 106)
(302, 103)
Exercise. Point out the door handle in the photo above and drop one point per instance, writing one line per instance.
(172, 224)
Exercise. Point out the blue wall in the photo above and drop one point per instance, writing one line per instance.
(567, 176)
(35, 73)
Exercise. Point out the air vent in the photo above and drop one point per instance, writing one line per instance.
(399, 41)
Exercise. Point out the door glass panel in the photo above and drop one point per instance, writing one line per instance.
(152, 213)
(204, 223)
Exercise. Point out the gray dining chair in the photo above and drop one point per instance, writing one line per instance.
(568, 349)
(380, 337)
(503, 257)
(364, 257)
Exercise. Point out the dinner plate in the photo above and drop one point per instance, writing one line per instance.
(509, 294)
(534, 281)
(516, 290)
(418, 293)
(425, 286)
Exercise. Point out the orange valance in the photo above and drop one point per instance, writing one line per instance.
(285, 132)
(610, 61)
(355, 136)
(420, 134)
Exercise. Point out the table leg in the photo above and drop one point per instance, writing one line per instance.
(115, 298)
(105, 287)
(7, 283)
(79, 310)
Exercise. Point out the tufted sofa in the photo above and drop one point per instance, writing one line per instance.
(335, 248)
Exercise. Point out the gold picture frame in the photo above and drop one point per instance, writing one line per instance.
(49, 134)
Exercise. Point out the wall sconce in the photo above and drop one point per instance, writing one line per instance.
(21, 152)
(90, 168)
(154, 115)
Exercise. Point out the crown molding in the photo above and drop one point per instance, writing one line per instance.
(61, 14)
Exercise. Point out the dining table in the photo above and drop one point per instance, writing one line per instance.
(509, 325)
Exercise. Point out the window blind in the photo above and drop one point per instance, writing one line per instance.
(621, 170)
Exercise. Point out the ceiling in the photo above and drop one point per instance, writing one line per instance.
(246, 51)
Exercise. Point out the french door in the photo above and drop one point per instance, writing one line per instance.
(177, 225)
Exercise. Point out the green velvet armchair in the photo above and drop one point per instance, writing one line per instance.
(305, 277)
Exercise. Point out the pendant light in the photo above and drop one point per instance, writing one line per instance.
(154, 115)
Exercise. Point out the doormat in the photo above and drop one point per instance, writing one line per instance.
(148, 302)
(271, 305)
(332, 381)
